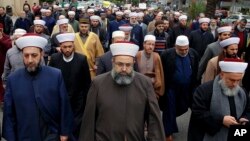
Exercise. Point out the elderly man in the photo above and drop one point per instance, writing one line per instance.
(241, 32)
(75, 71)
(149, 16)
(49, 20)
(213, 49)
(120, 102)
(144, 27)
(219, 104)
(149, 64)
(180, 29)
(74, 23)
(22, 22)
(38, 29)
(95, 26)
(56, 28)
(105, 64)
(114, 25)
(175, 21)
(180, 65)
(230, 49)
(6, 21)
(63, 28)
(200, 38)
(88, 43)
(14, 57)
(33, 110)
(136, 32)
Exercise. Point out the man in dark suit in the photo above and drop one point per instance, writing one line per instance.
(76, 75)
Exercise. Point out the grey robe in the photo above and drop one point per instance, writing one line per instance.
(212, 50)
(118, 113)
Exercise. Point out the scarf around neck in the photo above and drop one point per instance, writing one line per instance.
(220, 106)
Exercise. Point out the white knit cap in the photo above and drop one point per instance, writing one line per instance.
(125, 48)
(20, 32)
(62, 21)
(55, 6)
(224, 29)
(47, 10)
(140, 14)
(149, 38)
(118, 33)
(204, 20)
(43, 10)
(31, 41)
(234, 67)
(177, 13)
(66, 5)
(229, 41)
(183, 17)
(40, 22)
(65, 37)
(133, 14)
(125, 28)
(127, 12)
(94, 17)
(90, 10)
(119, 13)
(71, 13)
(182, 40)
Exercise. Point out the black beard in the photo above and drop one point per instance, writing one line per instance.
(231, 56)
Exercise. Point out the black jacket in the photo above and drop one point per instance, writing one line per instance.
(8, 25)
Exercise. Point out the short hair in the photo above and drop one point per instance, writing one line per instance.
(243, 20)
(2, 7)
(158, 22)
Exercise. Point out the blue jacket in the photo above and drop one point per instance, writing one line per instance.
(28, 99)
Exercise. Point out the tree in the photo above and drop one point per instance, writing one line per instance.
(195, 9)
(211, 7)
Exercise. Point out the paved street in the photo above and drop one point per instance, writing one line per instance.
(182, 121)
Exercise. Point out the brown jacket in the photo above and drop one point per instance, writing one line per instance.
(157, 75)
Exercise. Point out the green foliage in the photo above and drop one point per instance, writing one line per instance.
(135, 2)
(195, 9)
(117, 2)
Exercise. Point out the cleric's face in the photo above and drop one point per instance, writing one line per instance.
(123, 72)
(32, 57)
(123, 64)
(67, 48)
(149, 46)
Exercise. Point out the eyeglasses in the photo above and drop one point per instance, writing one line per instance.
(127, 65)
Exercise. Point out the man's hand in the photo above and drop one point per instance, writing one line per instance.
(229, 120)
(63, 138)
(243, 121)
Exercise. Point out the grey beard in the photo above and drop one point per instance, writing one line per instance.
(122, 79)
(227, 91)
(213, 27)
(240, 29)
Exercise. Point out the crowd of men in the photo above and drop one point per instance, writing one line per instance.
(111, 74)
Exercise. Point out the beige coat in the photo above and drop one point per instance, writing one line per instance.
(151, 26)
(211, 70)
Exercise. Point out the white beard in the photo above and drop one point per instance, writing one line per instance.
(227, 91)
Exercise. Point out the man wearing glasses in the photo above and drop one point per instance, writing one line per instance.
(121, 101)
